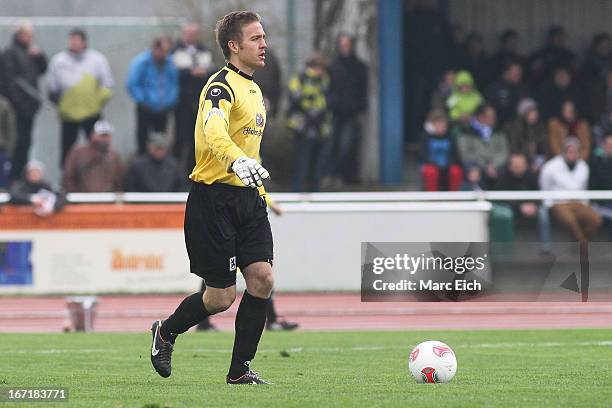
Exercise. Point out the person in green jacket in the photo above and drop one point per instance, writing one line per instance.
(464, 99)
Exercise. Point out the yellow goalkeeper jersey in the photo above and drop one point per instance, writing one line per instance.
(230, 124)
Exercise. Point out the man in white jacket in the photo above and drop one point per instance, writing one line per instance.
(567, 172)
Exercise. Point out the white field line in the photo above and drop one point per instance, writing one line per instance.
(508, 345)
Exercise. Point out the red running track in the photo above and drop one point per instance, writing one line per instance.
(329, 311)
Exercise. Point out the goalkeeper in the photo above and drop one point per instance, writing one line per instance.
(226, 221)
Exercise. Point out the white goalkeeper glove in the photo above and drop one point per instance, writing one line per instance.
(249, 171)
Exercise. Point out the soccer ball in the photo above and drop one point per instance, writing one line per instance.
(432, 362)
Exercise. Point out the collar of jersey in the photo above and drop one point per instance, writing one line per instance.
(234, 68)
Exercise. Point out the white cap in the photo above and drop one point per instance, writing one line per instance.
(103, 127)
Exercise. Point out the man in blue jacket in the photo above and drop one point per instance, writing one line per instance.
(153, 84)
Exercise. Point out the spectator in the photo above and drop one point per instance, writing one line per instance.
(194, 63)
(348, 100)
(8, 134)
(555, 54)
(153, 84)
(443, 90)
(594, 74)
(568, 124)
(505, 93)
(518, 177)
(507, 52)
(601, 179)
(527, 134)
(269, 79)
(465, 99)
(310, 119)
(482, 144)
(155, 171)
(568, 172)
(33, 190)
(473, 179)
(94, 166)
(79, 82)
(602, 128)
(440, 169)
(475, 60)
(553, 93)
(23, 64)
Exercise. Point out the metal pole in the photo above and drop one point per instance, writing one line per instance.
(391, 91)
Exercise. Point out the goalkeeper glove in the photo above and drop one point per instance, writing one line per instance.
(249, 171)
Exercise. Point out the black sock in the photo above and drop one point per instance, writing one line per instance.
(190, 312)
(250, 322)
(270, 311)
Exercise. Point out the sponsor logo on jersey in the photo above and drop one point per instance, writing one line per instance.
(215, 92)
(252, 131)
(252, 91)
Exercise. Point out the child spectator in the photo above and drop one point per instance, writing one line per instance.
(464, 99)
(440, 169)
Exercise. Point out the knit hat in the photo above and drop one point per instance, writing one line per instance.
(526, 105)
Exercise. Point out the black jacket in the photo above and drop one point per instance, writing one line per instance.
(505, 96)
(190, 85)
(147, 175)
(349, 86)
(22, 71)
(21, 192)
(600, 177)
(510, 182)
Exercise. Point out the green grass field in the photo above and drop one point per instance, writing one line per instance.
(535, 368)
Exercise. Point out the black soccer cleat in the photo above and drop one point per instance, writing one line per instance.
(161, 351)
(250, 377)
(281, 325)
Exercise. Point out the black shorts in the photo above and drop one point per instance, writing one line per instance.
(225, 227)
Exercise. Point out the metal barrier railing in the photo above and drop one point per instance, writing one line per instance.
(408, 196)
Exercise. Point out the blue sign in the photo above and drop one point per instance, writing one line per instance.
(15, 263)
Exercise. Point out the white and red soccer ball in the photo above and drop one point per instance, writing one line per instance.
(432, 362)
